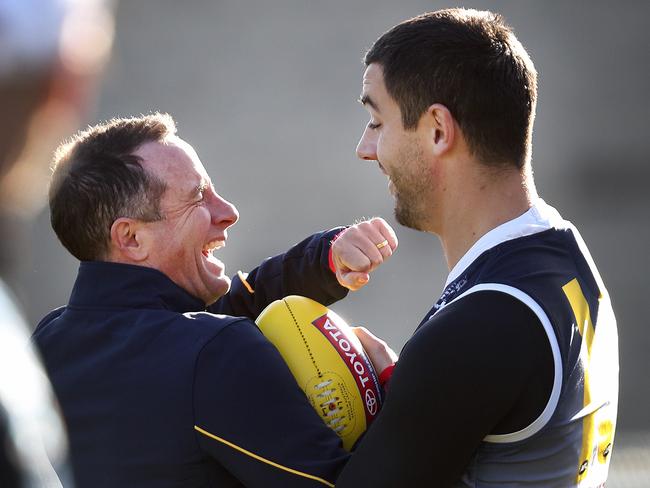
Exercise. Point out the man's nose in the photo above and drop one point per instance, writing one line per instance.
(367, 147)
(224, 213)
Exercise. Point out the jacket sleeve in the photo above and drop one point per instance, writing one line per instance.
(302, 270)
(251, 416)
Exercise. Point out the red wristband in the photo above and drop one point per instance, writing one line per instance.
(385, 375)
(330, 258)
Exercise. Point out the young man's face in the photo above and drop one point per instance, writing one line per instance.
(195, 220)
(403, 155)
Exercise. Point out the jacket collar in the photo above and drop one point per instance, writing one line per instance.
(114, 285)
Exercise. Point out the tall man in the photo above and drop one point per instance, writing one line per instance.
(163, 378)
(511, 379)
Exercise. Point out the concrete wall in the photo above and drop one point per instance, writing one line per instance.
(266, 92)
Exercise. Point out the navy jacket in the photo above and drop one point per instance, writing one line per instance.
(158, 392)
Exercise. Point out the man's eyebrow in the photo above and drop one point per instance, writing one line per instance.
(201, 187)
(366, 100)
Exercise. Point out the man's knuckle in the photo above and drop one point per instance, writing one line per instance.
(364, 226)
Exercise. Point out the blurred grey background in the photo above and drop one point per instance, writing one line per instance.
(266, 92)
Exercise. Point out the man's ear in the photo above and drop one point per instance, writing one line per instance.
(128, 240)
(443, 128)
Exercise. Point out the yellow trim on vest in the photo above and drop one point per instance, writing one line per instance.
(242, 277)
(260, 458)
(580, 308)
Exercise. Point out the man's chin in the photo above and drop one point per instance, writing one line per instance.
(406, 217)
(219, 289)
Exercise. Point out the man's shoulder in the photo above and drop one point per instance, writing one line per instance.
(45, 321)
(229, 330)
(138, 324)
(209, 319)
(210, 325)
(550, 252)
(188, 327)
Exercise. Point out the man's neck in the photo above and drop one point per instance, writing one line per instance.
(484, 203)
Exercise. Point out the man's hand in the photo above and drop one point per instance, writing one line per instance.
(380, 354)
(359, 249)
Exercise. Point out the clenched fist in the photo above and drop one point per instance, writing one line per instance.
(360, 249)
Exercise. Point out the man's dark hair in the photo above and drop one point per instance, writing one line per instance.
(97, 179)
(472, 63)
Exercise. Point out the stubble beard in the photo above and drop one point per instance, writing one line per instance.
(407, 214)
(411, 190)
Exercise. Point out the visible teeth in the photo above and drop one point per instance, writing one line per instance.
(213, 245)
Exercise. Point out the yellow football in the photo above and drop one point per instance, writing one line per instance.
(328, 362)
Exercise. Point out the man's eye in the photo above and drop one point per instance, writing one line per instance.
(372, 125)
